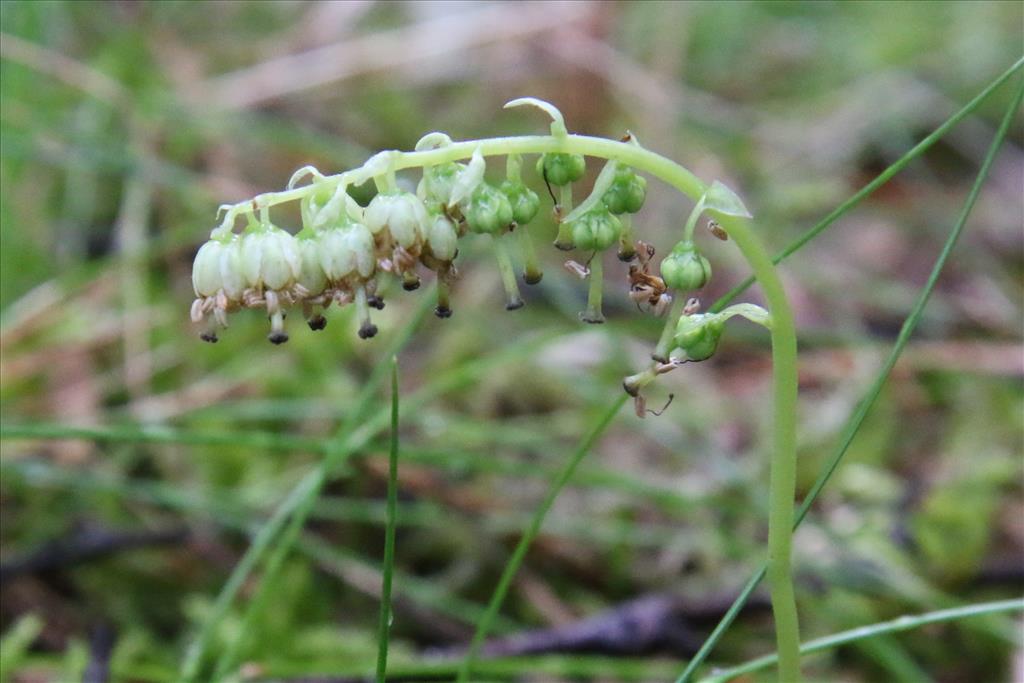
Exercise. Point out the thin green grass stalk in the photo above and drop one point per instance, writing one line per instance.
(519, 554)
(299, 501)
(905, 623)
(389, 533)
(164, 435)
(230, 513)
(882, 178)
(865, 405)
(427, 592)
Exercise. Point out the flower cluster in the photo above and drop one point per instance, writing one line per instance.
(344, 252)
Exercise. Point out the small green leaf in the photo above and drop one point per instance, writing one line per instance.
(721, 199)
(557, 120)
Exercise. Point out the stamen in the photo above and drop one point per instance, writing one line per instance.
(366, 328)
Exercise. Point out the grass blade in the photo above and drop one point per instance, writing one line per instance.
(865, 405)
(297, 506)
(882, 178)
(389, 532)
(904, 623)
(514, 562)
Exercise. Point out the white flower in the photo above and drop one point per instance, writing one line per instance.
(311, 275)
(403, 215)
(232, 279)
(442, 238)
(206, 277)
(270, 259)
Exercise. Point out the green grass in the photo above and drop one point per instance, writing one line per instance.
(278, 459)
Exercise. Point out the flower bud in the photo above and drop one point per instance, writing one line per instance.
(488, 210)
(627, 192)
(561, 168)
(596, 229)
(438, 181)
(442, 238)
(685, 268)
(525, 202)
(698, 335)
(403, 214)
(269, 257)
(206, 278)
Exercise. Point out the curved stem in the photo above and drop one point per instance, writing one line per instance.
(783, 334)
(663, 348)
(691, 222)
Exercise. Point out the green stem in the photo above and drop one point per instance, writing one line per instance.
(443, 308)
(662, 350)
(564, 239)
(904, 623)
(593, 314)
(532, 272)
(782, 479)
(389, 532)
(691, 222)
(519, 554)
(508, 275)
(867, 402)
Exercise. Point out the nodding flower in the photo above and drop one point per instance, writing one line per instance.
(346, 254)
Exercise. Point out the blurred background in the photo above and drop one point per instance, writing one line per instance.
(137, 461)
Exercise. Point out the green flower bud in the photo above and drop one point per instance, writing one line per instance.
(525, 202)
(596, 229)
(438, 181)
(561, 168)
(442, 238)
(627, 193)
(685, 268)
(206, 278)
(403, 214)
(269, 257)
(698, 334)
(488, 210)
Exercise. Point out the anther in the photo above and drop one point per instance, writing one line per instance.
(317, 322)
